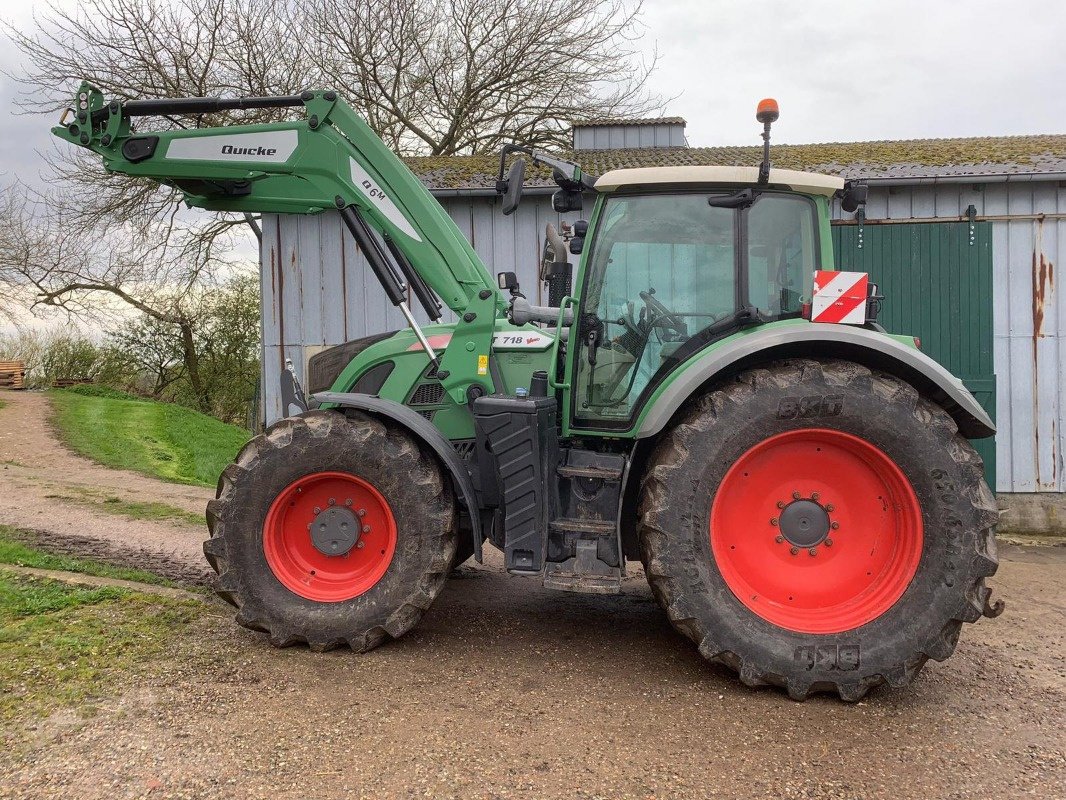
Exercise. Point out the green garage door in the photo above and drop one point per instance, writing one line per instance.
(938, 287)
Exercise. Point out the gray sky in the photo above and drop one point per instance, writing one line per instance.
(841, 71)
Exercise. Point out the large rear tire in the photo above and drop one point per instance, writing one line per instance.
(378, 499)
(819, 527)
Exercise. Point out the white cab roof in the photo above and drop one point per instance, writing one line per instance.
(805, 182)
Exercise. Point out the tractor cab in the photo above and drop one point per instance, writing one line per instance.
(678, 257)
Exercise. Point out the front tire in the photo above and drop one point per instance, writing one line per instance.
(382, 504)
(819, 527)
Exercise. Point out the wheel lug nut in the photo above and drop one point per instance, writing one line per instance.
(813, 551)
(794, 550)
(332, 502)
(828, 542)
(318, 510)
(361, 512)
(795, 495)
(779, 539)
(814, 495)
(773, 520)
(348, 502)
(360, 545)
(829, 507)
(835, 525)
(780, 503)
(366, 529)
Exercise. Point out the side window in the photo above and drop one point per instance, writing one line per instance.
(780, 253)
(662, 269)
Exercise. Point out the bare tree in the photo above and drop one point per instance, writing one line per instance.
(98, 274)
(445, 77)
(436, 77)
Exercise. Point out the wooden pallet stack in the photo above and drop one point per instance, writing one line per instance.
(12, 375)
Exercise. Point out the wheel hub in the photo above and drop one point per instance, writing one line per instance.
(335, 531)
(804, 523)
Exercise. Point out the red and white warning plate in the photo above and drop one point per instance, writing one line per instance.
(839, 297)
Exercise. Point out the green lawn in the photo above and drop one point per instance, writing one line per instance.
(65, 645)
(158, 439)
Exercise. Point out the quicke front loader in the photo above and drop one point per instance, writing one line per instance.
(706, 394)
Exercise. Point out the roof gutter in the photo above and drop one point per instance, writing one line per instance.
(885, 180)
(992, 177)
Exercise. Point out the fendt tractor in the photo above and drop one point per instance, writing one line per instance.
(706, 393)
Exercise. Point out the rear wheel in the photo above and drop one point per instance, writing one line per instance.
(818, 526)
(331, 530)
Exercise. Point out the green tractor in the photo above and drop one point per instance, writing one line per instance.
(705, 393)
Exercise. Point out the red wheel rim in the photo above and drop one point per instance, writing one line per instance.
(310, 573)
(772, 505)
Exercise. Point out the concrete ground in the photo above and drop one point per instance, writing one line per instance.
(506, 689)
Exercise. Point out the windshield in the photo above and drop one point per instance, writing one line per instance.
(664, 268)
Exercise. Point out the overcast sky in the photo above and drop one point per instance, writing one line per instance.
(841, 71)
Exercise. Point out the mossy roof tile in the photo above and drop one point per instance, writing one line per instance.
(915, 158)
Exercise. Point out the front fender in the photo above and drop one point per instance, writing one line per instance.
(425, 432)
(807, 340)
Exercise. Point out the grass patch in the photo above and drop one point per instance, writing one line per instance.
(161, 440)
(131, 509)
(16, 548)
(63, 645)
(95, 390)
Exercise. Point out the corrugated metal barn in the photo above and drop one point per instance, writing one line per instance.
(963, 235)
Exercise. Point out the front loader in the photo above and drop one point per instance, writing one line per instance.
(705, 393)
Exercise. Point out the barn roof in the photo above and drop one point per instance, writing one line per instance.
(914, 158)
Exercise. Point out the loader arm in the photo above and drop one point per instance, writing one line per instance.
(329, 159)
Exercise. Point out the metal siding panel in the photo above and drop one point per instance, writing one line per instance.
(899, 204)
(270, 289)
(876, 203)
(526, 243)
(333, 289)
(312, 273)
(923, 201)
(289, 278)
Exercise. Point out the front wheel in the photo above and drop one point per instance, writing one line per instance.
(332, 530)
(819, 527)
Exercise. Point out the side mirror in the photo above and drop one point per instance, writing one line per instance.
(577, 244)
(565, 200)
(509, 282)
(512, 195)
(853, 196)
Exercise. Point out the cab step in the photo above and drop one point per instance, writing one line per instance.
(583, 573)
(611, 474)
(594, 527)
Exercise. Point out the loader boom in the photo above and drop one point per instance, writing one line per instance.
(330, 159)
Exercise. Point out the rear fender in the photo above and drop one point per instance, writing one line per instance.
(869, 348)
(423, 430)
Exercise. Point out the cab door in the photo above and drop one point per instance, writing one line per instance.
(664, 276)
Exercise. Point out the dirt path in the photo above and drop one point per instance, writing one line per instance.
(509, 690)
(39, 478)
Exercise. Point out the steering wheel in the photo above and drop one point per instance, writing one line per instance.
(662, 315)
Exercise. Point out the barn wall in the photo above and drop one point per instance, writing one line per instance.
(1029, 315)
